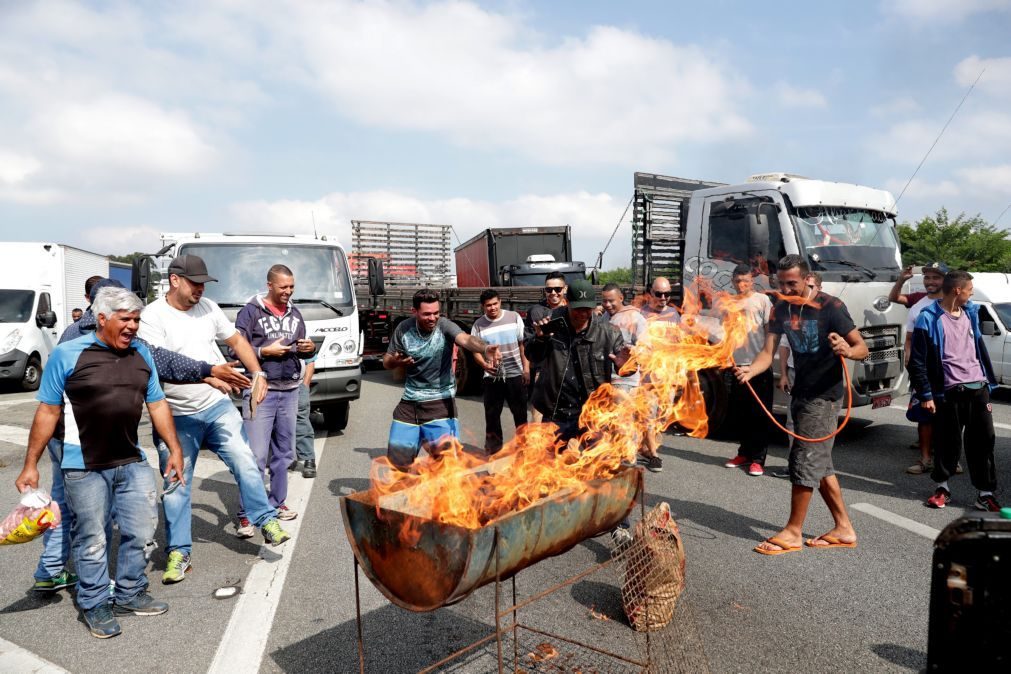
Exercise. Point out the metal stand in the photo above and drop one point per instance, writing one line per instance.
(515, 625)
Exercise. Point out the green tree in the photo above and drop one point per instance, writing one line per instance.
(621, 276)
(962, 242)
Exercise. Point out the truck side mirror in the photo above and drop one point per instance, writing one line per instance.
(140, 276)
(595, 277)
(376, 284)
(758, 236)
(45, 319)
(988, 328)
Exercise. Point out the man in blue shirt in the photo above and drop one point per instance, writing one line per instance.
(92, 395)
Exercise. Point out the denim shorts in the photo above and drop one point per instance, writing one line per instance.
(810, 462)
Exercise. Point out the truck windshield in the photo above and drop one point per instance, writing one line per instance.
(1004, 313)
(241, 269)
(16, 305)
(844, 239)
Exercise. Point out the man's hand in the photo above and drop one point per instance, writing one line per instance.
(743, 373)
(305, 346)
(784, 383)
(929, 406)
(839, 345)
(538, 332)
(214, 382)
(274, 350)
(526, 376)
(492, 357)
(29, 478)
(622, 356)
(259, 388)
(229, 375)
(906, 274)
(175, 463)
(400, 359)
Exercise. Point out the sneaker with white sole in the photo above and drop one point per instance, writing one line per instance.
(737, 461)
(142, 604)
(920, 467)
(940, 499)
(273, 533)
(176, 569)
(987, 504)
(285, 513)
(756, 469)
(245, 529)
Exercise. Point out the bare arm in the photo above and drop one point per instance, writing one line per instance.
(526, 364)
(43, 427)
(247, 357)
(310, 370)
(161, 419)
(851, 346)
(895, 294)
(784, 380)
(762, 361)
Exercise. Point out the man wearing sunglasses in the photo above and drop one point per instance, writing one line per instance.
(555, 288)
(658, 306)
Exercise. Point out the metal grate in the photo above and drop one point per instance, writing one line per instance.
(412, 253)
(883, 356)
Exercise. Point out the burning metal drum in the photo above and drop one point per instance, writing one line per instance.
(447, 562)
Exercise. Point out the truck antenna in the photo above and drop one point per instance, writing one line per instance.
(314, 234)
(600, 255)
(943, 129)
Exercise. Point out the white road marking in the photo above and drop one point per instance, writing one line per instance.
(245, 638)
(14, 435)
(17, 659)
(866, 479)
(17, 399)
(897, 520)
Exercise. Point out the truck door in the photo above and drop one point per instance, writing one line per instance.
(742, 228)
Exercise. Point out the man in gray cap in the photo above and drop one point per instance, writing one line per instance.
(568, 344)
(187, 322)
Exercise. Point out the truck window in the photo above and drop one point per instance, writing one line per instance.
(16, 305)
(730, 233)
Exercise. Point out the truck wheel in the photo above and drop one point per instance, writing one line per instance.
(335, 417)
(33, 374)
(468, 374)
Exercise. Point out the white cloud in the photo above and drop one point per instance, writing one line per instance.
(592, 216)
(900, 106)
(941, 10)
(987, 179)
(996, 79)
(794, 97)
(923, 189)
(971, 136)
(121, 240)
(14, 167)
(486, 80)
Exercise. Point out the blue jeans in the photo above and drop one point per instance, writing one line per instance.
(56, 541)
(272, 439)
(219, 428)
(92, 494)
(304, 435)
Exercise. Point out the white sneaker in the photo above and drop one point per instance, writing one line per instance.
(246, 529)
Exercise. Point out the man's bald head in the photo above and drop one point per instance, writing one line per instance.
(659, 293)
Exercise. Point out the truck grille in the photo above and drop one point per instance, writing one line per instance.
(883, 356)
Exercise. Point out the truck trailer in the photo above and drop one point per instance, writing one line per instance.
(516, 256)
(41, 284)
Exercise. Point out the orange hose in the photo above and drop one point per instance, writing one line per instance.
(849, 409)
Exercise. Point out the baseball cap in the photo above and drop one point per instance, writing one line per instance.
(581, 295)
(104, 283)
(939, 267)
(190, 267)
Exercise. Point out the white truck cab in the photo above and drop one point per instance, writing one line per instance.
(845, 232)
(324, 294)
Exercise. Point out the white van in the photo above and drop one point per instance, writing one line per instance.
(40, 285)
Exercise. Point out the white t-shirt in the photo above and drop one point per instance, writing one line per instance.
(193, 334)
(915, 310)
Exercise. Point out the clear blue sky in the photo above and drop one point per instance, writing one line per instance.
(120, 120)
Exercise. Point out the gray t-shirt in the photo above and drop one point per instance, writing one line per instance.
(758, 309)
(633, 326)
(431, 376)
(506, 332)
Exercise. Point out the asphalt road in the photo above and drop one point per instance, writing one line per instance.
(854, 610)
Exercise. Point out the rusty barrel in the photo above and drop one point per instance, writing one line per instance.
(448, 562)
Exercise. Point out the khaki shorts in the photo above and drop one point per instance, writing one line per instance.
(810, 462)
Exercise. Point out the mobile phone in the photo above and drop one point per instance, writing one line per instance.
(554, 325)
(170, 484)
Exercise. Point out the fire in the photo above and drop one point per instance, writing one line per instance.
(461, 489)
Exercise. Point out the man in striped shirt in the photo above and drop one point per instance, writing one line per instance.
(506, 382)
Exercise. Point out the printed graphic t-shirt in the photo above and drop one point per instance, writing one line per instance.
(506, 332)
(431, 376)
(191, 333)
(818, 372)
(102, 392)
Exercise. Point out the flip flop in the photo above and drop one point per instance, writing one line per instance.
(832, 542)
(782, 544)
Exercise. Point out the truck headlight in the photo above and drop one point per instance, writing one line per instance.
(11, 341)
(349, 345)
(882, 303)
(335, 349)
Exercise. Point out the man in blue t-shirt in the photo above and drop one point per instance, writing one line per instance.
(92, 396)
(424, 345)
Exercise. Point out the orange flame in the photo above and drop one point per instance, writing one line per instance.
(461, 489)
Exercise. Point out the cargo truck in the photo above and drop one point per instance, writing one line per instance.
(687, 229)
(40, 285)
(516, 256)
(324, 294)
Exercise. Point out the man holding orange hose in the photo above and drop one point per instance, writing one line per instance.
(820, 331)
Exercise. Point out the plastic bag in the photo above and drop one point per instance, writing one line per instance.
(35, 513)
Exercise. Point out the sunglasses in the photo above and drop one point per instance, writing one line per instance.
(660, 293)
(550, 289)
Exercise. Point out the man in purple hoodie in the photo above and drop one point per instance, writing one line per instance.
(276, 331)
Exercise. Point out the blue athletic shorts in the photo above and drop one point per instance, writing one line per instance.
(420, 425)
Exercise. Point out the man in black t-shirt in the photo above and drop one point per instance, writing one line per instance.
(820, 330)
